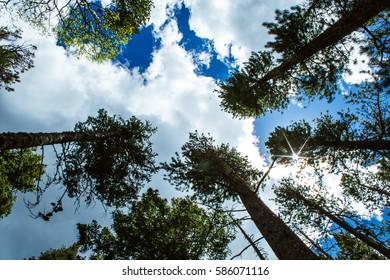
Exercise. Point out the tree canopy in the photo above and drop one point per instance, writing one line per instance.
(113, 169)
(14, 59)
(110, 159)
(314, 42)
(86, 28)
(355, 144)
(154, 229)
(20, 170)
(217, 174)
(106, 158)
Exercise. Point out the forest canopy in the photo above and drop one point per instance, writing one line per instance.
(305, 189)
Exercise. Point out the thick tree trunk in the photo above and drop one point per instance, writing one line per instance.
(363, 11)
(370, 242)
(10, 140)
(284, 242)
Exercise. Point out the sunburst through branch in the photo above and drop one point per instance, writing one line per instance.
(294, 156)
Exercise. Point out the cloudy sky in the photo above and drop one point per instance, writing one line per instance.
(166, 75)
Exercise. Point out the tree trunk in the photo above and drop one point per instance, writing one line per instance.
(315, 245)
(284, 242)
(363, 11)
(373, 145)
(10, 140)
(370, 242)
(248, 238)
(374, 189)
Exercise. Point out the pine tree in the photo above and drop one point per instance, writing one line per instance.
(153, 229)
(219, 173)
(86, 28)
(314, 50)
(14, 59)
(105, 158)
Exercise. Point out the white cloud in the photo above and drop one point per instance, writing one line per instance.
(359, 67)
(62, 90)
(234, 26)
(202, 58)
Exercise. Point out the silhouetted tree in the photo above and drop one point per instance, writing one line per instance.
(64, 253)
(355, 144)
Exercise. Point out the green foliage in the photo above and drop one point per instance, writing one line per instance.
(266, 84)
(197, 169)
(19, 170)
(14, 59)
(353, 249)
(112, 169)
(244, 95)
(87, 28)
(153, 229)
(64, 253)
(311, 205)
(289, 193)
(281, 138)
(353, 144)
(367, 187)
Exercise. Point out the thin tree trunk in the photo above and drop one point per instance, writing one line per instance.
(373, 145)
(374, 189)
(248, 238)
(10, 140)
(363, 11)
(284, 242)
(315, 245)
(370, 242)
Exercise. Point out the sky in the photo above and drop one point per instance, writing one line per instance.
(167, 74)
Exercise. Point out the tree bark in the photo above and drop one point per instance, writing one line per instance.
(370, 242)
(10, 140)
(284, 242)
(363, 11)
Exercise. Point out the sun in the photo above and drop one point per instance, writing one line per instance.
(295, 157)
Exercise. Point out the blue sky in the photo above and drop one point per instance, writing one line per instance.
(167, 74)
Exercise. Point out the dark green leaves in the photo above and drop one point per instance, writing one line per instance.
(244, 94)
(14, 59)
(353, 249)
(19, 172)
(64, 253)
(314, 43)
(87, 28)
(198, 170)
(97, 32)
(154, 229)
(112, 169)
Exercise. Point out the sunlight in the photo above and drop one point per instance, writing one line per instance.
(294, 156)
